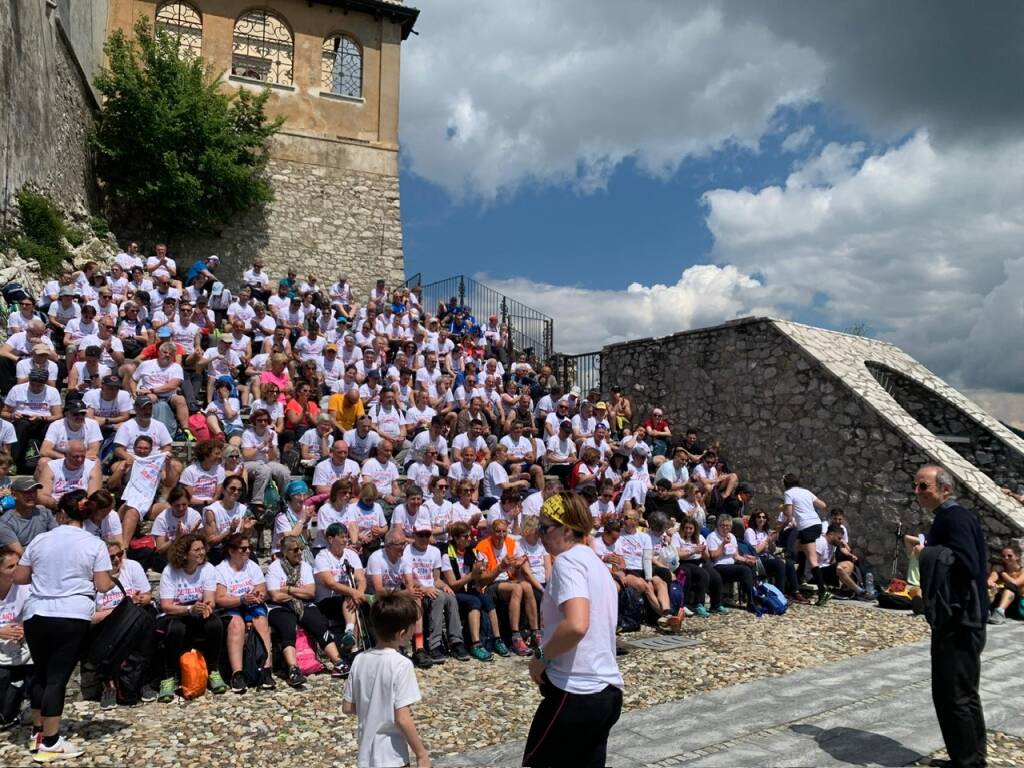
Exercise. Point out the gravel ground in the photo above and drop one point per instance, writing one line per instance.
(465, 705)
(1004, 751)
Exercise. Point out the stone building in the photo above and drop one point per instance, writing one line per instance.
(855, 417)
(333, 70)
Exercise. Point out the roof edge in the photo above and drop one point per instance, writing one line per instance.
(402, 14)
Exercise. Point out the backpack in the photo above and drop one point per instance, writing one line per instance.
(895, 601)
(199, 427)
(767, 598)
(305, 655)
(632, 609)
(254, 658)
(193, 674)
(676, 596)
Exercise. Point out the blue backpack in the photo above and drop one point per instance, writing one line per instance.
(767, 598)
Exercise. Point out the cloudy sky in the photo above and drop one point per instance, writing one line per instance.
(636, 169)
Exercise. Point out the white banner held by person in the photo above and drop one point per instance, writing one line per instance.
(144, 482)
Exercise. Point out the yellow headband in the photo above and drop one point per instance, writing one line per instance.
(555, 509)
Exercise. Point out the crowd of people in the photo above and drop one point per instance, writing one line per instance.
(280, 454)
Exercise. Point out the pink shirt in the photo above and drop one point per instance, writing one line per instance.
(283, 382)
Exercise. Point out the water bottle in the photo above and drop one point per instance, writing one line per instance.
(869, 585)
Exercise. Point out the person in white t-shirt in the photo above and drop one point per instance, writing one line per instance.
(382, 689)
(340, 582)
(175, 520)
(580, 593)
(64, 569)
(74, 426)
(242, 596)
(724, 553)
(335, 467)
(188, 617)
(382, 472)
(226, 516)
(205, 474)
(436, 597)
(801, 510)
(291, 588)
(637, 550)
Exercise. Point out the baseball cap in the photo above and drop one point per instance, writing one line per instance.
(164, 332)
(745, 488)
(332, 347)
(641, 449)
(373, 373)
(93, 351)
(40, 349)
(142, 400)
(214, 257)
(75, 405)
(39, 375)
(601, 404)
(575, 392)
(67, 290)
(25, 483)
(218, 289)
(112, 380)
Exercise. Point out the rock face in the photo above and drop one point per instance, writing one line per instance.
(784, 397)
(322, 221)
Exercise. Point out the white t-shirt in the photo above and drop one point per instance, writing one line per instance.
(381, 681)
(463, 440)
(24, 402)
(185, 588)
(517, 448)
(535, 554)
(804, 512)
(327, 471)
(149, 375)
(25, 366)
(202, 481)
(421, 474)
(326, 516)
(826, 552)
(239, 583)
(109, 527)
(364, 518)
(714, 541)
(129, 431)
(632, 547)
(277, 579)
(223, 517)
(119, 406)
(338, 567)
(391, 573)
(458, 472)
(359, 448)
(66, 480)
(591, 665)
(60, 435)
(382, 475)
(463, 514)
(440, 515)
(423, 563)
(12, 608)
(63, 562)
(133, 579)
(409, 522)
(166, 523)
(690, 551)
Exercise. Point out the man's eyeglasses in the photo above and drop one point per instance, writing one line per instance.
(242, 549)
(921, 486)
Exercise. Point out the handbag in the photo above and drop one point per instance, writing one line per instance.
(118, 634)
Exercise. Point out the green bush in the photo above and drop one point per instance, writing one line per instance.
(41, 232)
(52, 261)
(175, 153)
(99, 226)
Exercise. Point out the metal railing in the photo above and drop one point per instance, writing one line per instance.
(583, 371)
(530, 331)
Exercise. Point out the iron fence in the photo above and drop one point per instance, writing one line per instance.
(583, 371)
(530, 331)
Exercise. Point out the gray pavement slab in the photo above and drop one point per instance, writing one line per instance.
(870, 710)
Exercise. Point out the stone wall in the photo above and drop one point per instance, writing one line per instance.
(46, 111)
(777, 408)
(323, 221)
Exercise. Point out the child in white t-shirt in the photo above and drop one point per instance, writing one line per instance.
(382, 688)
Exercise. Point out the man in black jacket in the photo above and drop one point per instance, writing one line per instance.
(958, 641)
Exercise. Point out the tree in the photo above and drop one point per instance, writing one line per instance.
(175, 153)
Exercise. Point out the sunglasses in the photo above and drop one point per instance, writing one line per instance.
(921, 486)
(242, 549)
(116, 555)
(441, 486)
(543, 528)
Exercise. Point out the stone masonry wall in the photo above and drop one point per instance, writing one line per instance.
(46, 112)
(776, 409)
(322, 221)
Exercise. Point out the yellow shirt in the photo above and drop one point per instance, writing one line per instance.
(345, 415)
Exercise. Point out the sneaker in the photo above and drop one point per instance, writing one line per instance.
(295, 678)
(62, 750)
(687, 612)
(500, 648)
(148, 694)
(663, 621)
(340, 670)
(519, 647)
(997, 617)
(167, 688)
(421, 660)
(675, 624)
(347, 640)
(823, 598)
(799, 599)
(238, 683)
(480, 653)
(8, 724)
(721, 610)
(864, 597)
(459, 652)
(701, 611)
(267, 683)
(538, 639)
(437, 655)
(34, 742)
(108, 699)
(216, 682)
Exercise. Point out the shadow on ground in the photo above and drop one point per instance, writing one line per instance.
(857, 747)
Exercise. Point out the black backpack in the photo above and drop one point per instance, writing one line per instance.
(632, 609)
(254, 658)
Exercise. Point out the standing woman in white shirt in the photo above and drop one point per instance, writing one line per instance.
(575, 666)
(65, 568)
(800, 508)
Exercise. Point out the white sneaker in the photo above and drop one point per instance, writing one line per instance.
(62, 750)
(687, 612)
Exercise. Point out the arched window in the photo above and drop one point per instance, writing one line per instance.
(182, 21)
(341, 66)
(262, 48)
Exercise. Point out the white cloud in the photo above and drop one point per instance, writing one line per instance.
(495, 95)
(798, 139)
(919, 242)
(588, 319)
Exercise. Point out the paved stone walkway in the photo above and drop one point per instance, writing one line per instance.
(870, 710)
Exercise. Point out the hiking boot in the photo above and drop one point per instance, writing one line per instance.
(62, 750)
(108, 699)
(295, 678)
(147, 695)
(339, 670)
(701, 611)
(519, 646)
(167, 688)
(823, 598)
(437, 655)
(480, 653)
(238, 683)
(347, 640)
(459, 652)
(500, 648)
(216, 682)
(267, 682)
(421, 660)
(997, 617)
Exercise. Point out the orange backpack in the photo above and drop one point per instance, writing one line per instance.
(193, 674)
